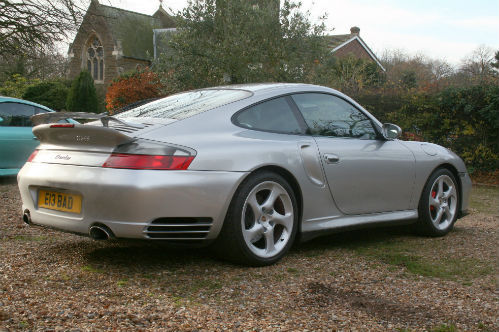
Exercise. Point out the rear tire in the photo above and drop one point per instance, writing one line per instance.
(439, 204)
(261, 222)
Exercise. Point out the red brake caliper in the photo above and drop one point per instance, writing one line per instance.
(433, 195)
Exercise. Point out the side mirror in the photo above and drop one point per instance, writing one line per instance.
(391, 131)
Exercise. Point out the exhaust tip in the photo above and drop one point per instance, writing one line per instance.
(27, 217)
(100, 232)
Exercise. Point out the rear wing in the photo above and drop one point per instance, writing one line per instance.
(74, 136)
(53, 117)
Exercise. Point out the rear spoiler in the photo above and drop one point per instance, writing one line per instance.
(53, 117)
(77, 135)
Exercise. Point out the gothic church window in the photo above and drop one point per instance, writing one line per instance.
(95, 58)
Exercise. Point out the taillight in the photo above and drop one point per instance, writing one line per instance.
(145, 154)
(32, 156)
(139, 161)
(62, 125)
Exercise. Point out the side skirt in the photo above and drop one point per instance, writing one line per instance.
(313, 228)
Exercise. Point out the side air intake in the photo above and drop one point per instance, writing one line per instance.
(182, 228)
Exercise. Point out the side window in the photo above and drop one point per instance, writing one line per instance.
(332, 116)
(274, 115)
(39, 110)
(16, 115)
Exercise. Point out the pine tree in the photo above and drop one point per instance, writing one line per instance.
(82, 96)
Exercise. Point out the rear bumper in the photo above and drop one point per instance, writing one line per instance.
(129, 201)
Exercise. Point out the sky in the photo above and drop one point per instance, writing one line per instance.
(441, 29)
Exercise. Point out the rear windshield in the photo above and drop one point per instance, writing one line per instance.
(187, 104)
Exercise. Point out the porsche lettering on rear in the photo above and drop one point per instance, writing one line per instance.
(81, 138)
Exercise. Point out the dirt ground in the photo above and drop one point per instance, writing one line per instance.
(370, 280)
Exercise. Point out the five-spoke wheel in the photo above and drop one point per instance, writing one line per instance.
(267, 219)
(439, 204)
(261, 222)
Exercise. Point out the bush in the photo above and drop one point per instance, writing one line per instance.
(16, 85)
(381, 104)
(82, 96)
(50, 94)
(465, 120)
(131, 88)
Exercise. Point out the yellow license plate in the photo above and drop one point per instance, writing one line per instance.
(59, 201)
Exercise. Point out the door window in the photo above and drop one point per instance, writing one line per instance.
(16, 114)
(273, 115)
(331, 116)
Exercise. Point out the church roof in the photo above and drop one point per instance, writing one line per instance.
(134, 30)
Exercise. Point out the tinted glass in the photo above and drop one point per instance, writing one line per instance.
(328, 115)
(273, 115)
(187, 104)
(16, 115)
(39, 110)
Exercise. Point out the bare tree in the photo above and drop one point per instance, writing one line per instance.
(478, 66)
(40, 63)
(35, 24)
(479, 62)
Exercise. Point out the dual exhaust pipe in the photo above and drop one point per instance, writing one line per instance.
(96, 231)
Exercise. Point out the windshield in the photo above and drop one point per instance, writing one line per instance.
(187, 104)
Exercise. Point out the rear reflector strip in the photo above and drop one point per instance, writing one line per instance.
(138, 161)
(65, 125)
(32, 156)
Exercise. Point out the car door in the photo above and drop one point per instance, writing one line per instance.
(17, 141)
(365, 172)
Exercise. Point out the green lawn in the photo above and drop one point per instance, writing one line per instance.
(485, 199)
(452, 257)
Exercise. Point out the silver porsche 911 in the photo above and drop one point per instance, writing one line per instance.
(247, 168)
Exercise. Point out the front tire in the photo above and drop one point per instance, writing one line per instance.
(439, 204)
(261, 222)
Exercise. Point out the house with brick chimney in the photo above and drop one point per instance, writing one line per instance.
(352, 45)
(111, 41)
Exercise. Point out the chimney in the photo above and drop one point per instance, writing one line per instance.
(355, 31)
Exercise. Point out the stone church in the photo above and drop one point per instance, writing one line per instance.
(111, 41)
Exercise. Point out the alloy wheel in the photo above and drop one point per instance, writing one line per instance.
(267, 219)
(442, 202)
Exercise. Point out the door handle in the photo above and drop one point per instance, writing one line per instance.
(331, 158)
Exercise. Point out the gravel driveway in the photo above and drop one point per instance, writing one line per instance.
(383, 279)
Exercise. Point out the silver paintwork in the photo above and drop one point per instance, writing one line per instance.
(44, 118)
(341, 181)
(391, 131)
(53, 117)
(127, 201)
(368, 176)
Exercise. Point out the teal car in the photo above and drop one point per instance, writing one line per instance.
(17, 141)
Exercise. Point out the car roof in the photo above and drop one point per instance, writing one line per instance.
(266, 87)
(22, 101)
